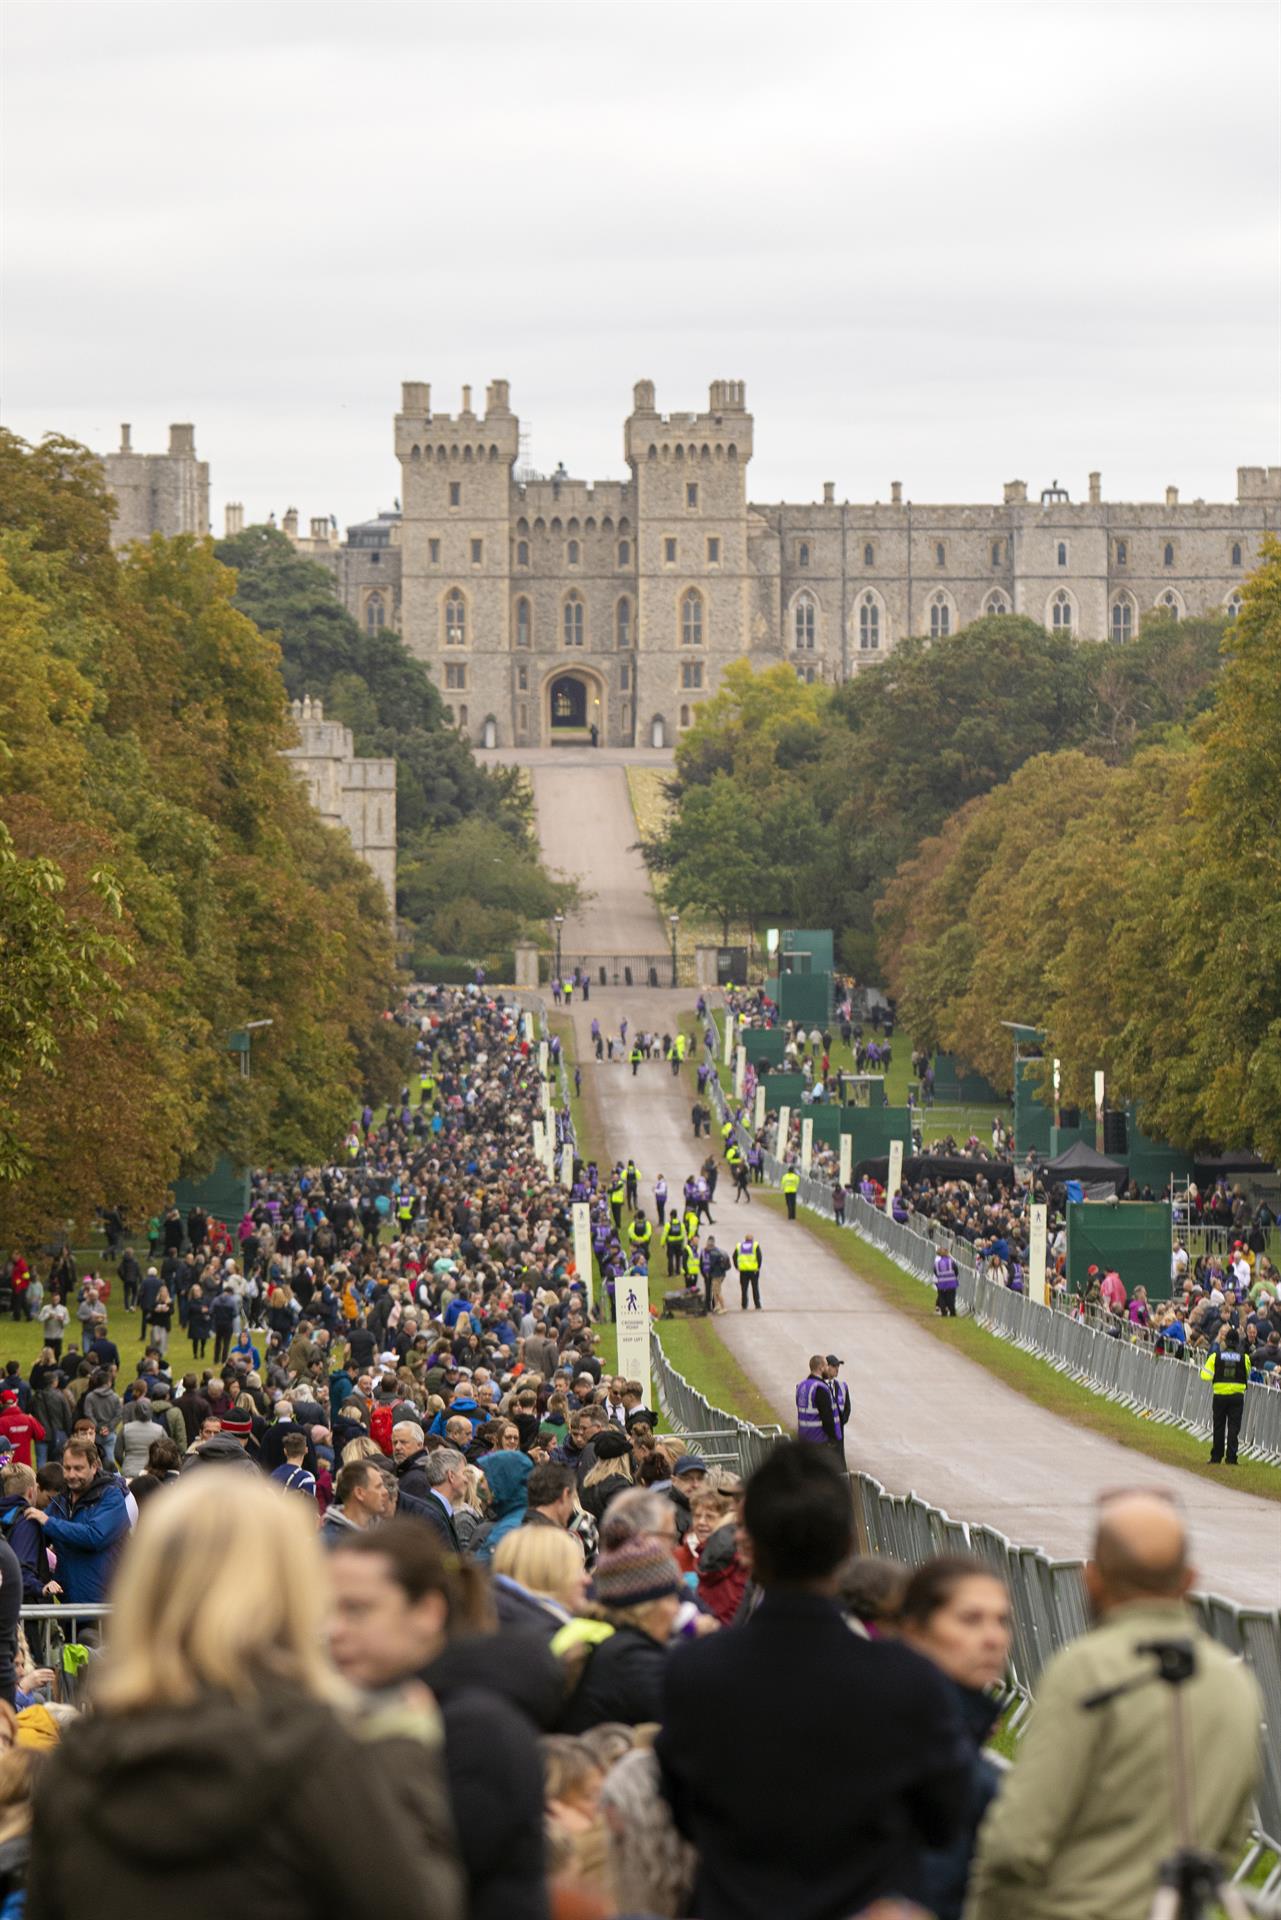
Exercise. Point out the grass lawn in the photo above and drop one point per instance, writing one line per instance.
(22, 1340)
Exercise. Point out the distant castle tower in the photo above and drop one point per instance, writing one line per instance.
(356, 795)
(164, 493)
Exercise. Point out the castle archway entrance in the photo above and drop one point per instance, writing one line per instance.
(573, 705)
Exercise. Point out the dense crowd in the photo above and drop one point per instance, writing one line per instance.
(414, 1609)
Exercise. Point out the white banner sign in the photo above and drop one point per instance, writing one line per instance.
(631, 1297)
(542, 1058)
(1100, 1096)
(583, 1245)
(1036, 1287)
(729, 1038)
(847, 1159)
(567, 1165)
(759, 1119)
(807, 1143)
(895, 1179)
(550, 1160)
(784, 1132)
(740, 1071)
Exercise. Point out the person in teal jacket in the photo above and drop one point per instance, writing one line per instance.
(507, 1473)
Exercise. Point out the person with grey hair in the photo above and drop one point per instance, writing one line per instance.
(409, 1451)
(446, 1474)
(138, 1429)
(637, 1510)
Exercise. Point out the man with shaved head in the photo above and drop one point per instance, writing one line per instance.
(1088, 1814)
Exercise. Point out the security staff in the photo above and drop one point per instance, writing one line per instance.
(1228, 1366)
(674, 1241)
(636, 1056)
(789, 1183)
(690, 1218)
(946, 1276)
(631, 1177)
(660, 1199)
(816, 1420)
(639, 1234)
(840, 1397)
(617, 1195)
(747, 1261)
(693, 1264)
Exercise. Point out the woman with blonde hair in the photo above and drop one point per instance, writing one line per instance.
(223, 1758)
(539, 1578)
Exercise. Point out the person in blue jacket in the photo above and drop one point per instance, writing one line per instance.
(507, 1473)
(85, 1524)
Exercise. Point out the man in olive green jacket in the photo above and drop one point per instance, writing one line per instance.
(1087, 1814)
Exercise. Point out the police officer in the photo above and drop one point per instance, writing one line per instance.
(639, 1235)
(816, 1420)
(693, 1264)
(747, 1261)
(789, 1183)
(617, 1195)
(1228, 1367)
(674, 1242)
(631, 1177)
(636, 1056)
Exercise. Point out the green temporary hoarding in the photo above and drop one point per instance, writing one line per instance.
(1033, 1119)
(956, 1086)
(805, 996)
(784, 1090)
(872, 1128)
(1132, 1236)
(763, 1044)
(222, 1194)
(813, 947)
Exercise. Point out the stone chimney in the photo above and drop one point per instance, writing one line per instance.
(290, 522)
(643, 397)
(896, 493)
(497, 397)
(182, 438)
(1172, 496)
(320, 528)
(829, 493)
(126, 437)
(415, 396)
(1016, 493)
(233, 519)
(1096, 489)
(466, 399)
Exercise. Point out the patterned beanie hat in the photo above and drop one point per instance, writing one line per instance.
(642, 1569)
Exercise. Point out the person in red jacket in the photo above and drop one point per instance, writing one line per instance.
(19, 1428)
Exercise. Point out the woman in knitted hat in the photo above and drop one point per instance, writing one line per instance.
(615, 1651)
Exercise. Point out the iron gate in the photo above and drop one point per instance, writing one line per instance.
(618, 969)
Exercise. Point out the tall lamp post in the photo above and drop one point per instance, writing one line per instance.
(674, 920)
(560, 922)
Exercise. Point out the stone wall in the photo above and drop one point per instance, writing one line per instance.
(357, 795)
(165, 493)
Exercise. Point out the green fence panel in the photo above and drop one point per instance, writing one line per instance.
(805, 996)
(763, 1044)
(817, 942)
(1133, 1237)
(956, 1086)
(1033, 1119)
(222, 1194)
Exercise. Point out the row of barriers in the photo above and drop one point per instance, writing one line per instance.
(1048, 1600)
(1132, 1375)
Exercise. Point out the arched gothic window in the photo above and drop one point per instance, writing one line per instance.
(573, 621)
(692, 619)
(375, 613)
(1122, 621)
(940, 617)
(804, 622)
(869, 624)
(623, 622)
(523, 623)
(455, 619)
(1061, 612)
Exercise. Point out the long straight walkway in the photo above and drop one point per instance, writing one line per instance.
(925, 1419)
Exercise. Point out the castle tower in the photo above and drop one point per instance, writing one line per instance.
(456, 474)
(693, 587)
(164, 493)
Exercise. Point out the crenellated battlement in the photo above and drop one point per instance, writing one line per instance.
(490, 438)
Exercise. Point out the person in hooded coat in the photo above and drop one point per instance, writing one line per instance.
(507, 1474)
(217, 1763)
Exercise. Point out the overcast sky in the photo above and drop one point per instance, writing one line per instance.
(949, 244)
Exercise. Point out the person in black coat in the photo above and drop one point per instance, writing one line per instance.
(869, 1765)
(395, 1600)
(619, 1675)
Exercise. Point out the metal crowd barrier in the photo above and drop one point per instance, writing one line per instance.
(1150, 1385)
(1049, 1609)
(729, 1439)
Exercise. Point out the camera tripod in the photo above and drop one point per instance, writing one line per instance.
(1191, 1884)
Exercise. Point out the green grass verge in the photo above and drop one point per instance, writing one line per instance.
(1025, 1372)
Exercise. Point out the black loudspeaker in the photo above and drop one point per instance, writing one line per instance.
(1116, 1134)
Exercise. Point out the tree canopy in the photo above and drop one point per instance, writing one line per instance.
(163, 877)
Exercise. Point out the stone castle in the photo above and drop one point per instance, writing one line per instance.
(546, 607)
(164, 493)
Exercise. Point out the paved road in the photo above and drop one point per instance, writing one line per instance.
(925, 1419)
(588, 833)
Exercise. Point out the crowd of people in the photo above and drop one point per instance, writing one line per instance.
(414, 1607)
